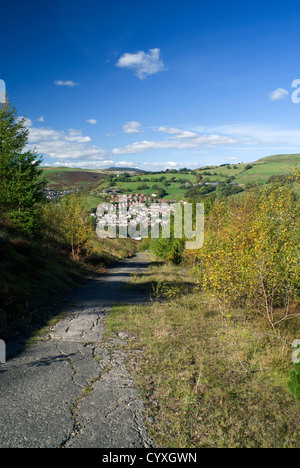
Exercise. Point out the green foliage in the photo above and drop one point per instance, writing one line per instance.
(251, 251)
(161, 193)
(21, 184)
(294, 382)
(74, 223)
(168, 249)
(223, 189)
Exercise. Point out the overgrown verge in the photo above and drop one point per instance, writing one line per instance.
(251, 255)
(209, 380)
(37, 275)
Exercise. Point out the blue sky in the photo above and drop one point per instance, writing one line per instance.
(154, 84)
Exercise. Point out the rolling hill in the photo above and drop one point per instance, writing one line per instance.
(260, 172)
(94, 183)
(63, 178)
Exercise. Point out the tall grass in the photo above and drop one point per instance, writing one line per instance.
(207, 381)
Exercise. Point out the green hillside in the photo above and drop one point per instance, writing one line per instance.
(98, 184)
(260, 171)
(264, 168)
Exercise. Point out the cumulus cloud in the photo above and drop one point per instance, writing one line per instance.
(68, 83)
(278, 94)
(92, 121)
(40, 119)
(64, 145)
(81, 164)
(132, 127)
(195, 141)
(176, 132)
(144, 64)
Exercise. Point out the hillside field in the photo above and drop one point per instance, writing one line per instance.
(94, 183)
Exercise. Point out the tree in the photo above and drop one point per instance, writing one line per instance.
(296, 174)
(21, 181)
(75, 224)
(251, 254)
(161, 193)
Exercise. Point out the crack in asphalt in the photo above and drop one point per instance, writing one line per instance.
(73, 390)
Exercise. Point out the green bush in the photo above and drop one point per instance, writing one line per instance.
(294, 382)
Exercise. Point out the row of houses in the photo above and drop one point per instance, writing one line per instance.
(56, 194)
(132, 216)
(139, 198)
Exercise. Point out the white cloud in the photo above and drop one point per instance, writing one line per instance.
(125, 164)
(259, 134)
(67, 83)
(132, 127)
(40, 119)
(92, 121)
(144, 64)
(176, 132)
(278, 94)
(81, 164)
(64, 145)
(161, 165)
(27, 121)
(194, 142)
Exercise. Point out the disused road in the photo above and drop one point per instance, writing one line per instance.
(71, 389)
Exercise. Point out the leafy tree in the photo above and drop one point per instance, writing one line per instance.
(251, 254)
(21, 182)
(161, 193)
(296, 174)
(75, 224)
(170, 248)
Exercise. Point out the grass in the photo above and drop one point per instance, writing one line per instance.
(92, 201)
(37, 275)
(34, 277)
(106, 252)
(262, 170)
(208, 381)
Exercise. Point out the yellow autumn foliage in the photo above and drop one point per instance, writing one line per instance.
(251, 251)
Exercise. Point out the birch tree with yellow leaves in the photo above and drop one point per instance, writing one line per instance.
(75, 224)
(251, 252)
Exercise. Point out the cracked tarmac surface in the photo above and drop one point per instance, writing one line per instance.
(71, 389)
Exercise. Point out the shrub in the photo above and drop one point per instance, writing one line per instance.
(251, 251)
(294, 382)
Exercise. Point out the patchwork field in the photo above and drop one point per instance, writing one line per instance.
(175, 184)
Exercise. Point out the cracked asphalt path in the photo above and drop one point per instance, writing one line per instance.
(70, 389)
